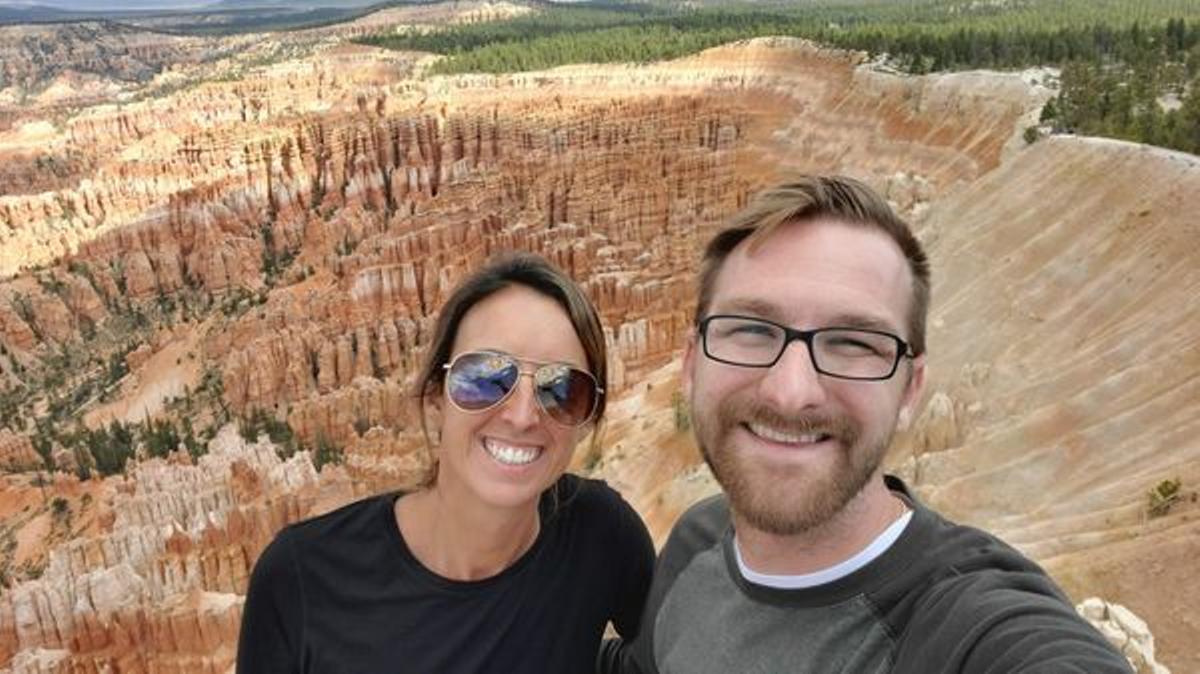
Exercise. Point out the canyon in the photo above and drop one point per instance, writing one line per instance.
(277, 240)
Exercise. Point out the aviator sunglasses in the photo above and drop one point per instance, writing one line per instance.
(479, 380)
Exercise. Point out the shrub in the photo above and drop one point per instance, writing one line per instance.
(51, 283)
(83, 468)
(160, 437)
(108, 448)
(1164, 495)
(326, 453)
(195, 447)
(43, 444)
(260, 422)
(361, 426)
(683, 416)
(24, 308)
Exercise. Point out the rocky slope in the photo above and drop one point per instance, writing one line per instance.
(1066, 386)
(279, 243)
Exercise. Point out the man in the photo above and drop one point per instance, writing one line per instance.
(808, 353)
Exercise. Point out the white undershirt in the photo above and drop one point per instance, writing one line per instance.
(840, 570)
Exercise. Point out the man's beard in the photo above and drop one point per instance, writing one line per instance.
(778, 500)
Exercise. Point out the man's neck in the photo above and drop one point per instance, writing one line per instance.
(863, 519)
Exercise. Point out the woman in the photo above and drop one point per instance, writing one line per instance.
(501, 562)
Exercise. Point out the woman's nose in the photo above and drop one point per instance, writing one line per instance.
(521, 408)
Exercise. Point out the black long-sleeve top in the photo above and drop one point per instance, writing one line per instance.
(342, 593)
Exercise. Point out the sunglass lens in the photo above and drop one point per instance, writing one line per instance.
(476, 381)
(568, 395)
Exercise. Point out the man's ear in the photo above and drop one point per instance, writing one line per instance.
(912, 393)
(689, 360)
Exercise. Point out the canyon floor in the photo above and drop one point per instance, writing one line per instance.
(271, 235)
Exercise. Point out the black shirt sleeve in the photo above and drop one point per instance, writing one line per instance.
(634, 541)
(273, 615)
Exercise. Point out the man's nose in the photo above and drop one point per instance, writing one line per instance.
(521, 408)
(793, 384)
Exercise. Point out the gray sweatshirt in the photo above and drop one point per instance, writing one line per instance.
(942, 598)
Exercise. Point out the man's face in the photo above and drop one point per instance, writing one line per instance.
(792, 447)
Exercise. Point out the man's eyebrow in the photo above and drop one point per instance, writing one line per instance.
(863, 322)
(752, 306)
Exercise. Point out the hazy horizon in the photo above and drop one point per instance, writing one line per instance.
(139, 5)
(102, 5)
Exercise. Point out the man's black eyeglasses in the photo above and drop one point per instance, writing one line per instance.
(844, 353)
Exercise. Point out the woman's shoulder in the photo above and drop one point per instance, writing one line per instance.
(595, 522)
(593, 503)
(585, 493)
(359, 519)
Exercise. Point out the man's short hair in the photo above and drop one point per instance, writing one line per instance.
(806, 199)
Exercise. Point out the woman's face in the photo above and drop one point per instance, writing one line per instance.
(506, 456)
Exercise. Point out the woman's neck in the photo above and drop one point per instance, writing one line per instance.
(460, 542)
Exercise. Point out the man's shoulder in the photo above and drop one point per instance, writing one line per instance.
(965, 562)
(709, 507)
(701, 527)
(972, 574)
(969, 593)
(945, 572)
(942, 549)
(958, 552)
(1012, 617)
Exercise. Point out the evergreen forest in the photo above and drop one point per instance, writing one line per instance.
(1130, 69)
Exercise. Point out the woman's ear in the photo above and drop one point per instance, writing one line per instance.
(429, 412)
(434, 414)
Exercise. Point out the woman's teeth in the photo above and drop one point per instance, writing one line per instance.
(511, 455)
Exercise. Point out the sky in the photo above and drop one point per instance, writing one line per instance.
(110, 5)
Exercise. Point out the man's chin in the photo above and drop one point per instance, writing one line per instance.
(769, 502)
(776, 517)
(786, 502)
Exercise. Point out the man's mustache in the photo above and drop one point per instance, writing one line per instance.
(805, 423)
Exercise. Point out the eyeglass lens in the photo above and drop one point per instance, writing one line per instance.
(479, 380)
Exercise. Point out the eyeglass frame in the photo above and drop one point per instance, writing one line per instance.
(599, 390)
(807, 336)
